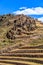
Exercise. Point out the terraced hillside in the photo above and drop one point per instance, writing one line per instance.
(21, 40)
(23, 56)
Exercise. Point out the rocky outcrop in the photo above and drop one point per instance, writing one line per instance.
(21, 23)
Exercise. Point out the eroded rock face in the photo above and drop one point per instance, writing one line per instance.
(10, 34)
(21, 23)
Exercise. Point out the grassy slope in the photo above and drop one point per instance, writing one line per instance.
(31, 42)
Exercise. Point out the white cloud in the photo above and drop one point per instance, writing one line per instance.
(23, 8)
(40, 19)
(30, 11)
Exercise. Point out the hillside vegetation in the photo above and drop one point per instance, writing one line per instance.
(20, 29)
(21, 40)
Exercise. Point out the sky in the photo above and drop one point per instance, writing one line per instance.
(33, 8)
